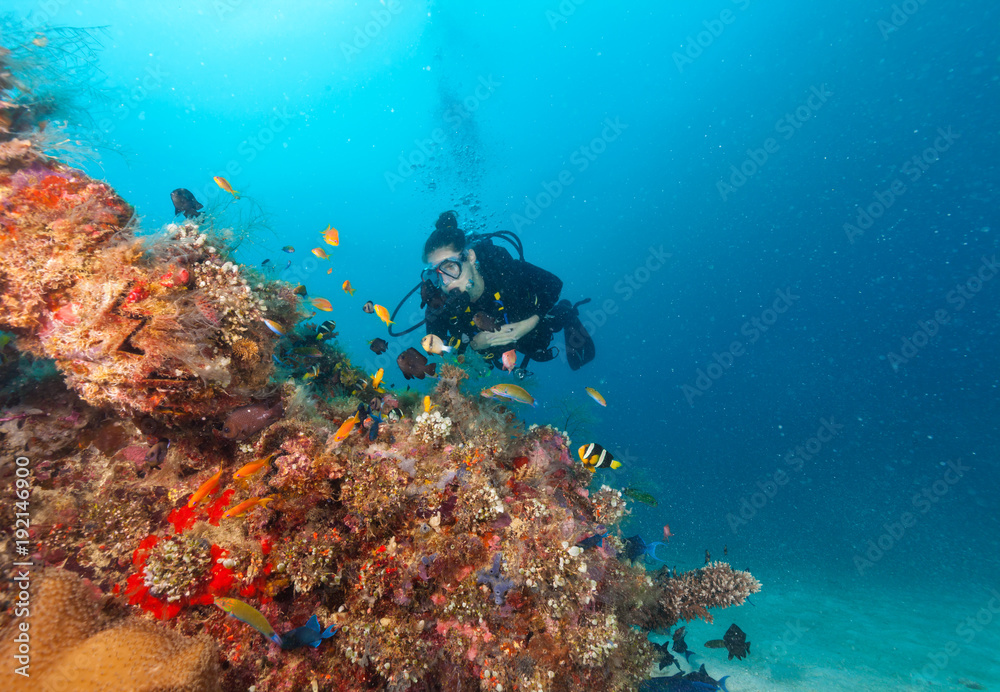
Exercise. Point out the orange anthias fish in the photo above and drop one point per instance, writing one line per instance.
(321, 253)
(245, 506)
(344, 430)
(224, 184)
(330, 270)
(509, 358)
(321, 304)
(377, 377)
(331, 236)
(347, 288)
(204, 489)
(253, 467)
(383, 314)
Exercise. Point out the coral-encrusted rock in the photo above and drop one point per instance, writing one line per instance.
(125, 330)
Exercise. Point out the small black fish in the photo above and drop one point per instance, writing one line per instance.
(666, 658)
(484, 322)
(368, 307)
(379, 346)
(593, 541)
(265, 262)
(736, 642)
(327, 330)
(158, 452)
(185, 203)
(680, 646)
(248, 420)
(414, 364)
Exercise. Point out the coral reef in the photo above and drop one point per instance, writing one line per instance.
(446, 548)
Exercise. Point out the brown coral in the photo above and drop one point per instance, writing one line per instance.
(689, 595)
(246, 350)
(71, 652)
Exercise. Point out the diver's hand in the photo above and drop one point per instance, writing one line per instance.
(507, 334)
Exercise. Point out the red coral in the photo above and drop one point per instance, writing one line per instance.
(182, 518)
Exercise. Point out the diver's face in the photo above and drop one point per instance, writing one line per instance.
(450, 269)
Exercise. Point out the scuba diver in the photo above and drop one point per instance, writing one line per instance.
(477, 295)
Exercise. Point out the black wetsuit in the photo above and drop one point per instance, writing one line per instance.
(514, 290)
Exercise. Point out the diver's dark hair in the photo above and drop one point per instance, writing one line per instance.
(446, 234)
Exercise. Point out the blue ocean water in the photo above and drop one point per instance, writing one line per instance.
(785, 217)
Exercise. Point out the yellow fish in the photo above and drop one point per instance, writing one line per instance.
(204, 489)
(377, 377)
(596, 396)
(344, 430)
(224, 184)
(253, 467)
(312, 373)
(383, 314)
(331, 236)
(511, 392)
(245, 612)
(347, 288)
(427, 404)
(321, 304)
(321, 253)
(245, 506)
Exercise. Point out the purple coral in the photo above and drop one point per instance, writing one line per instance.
(498, 583)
